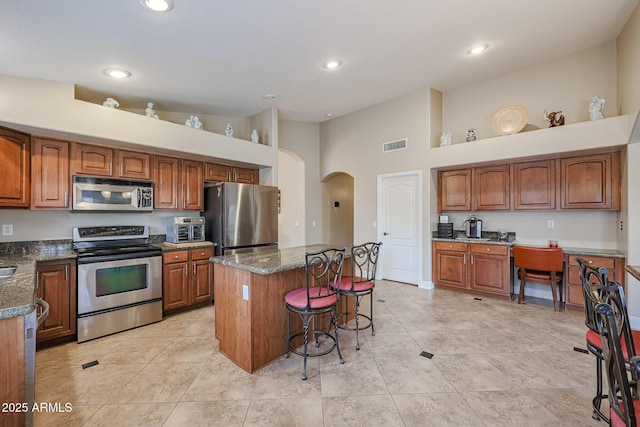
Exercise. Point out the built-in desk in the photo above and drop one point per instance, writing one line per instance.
(249, 290)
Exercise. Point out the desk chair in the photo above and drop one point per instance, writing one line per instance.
(539, 265)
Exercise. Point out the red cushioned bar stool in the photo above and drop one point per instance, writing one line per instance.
(318, 299)
(364, 260)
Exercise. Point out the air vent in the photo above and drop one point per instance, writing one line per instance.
(388, 147)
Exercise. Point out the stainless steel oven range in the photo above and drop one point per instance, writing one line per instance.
(119, 279)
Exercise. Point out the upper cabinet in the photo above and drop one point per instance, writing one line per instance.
(534, 185)
(491, 188)
(591, 182)
(222, 173)
(50, 174)
(476, 189)
(15, 158)
(179, 184)
(97, 160)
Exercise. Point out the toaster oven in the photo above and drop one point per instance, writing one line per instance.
(185, 229)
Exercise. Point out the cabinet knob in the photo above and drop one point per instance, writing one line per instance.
(450, 246)
(176, 256)
(488, 250)
(202, 254)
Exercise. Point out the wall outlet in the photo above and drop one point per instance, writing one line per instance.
(7, 229)
(551, 223)
(245, 292)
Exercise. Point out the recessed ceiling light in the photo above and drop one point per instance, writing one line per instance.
(117, 73)
(478, 49)
(329, 115)
(157, 5)
(269, 96)
(332, 64)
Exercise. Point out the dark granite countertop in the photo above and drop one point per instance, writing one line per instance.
(17, 294)
(634, 270)
(485, 241)
(270, 261)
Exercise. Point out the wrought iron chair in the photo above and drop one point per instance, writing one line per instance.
(319, 296)
(364, 261)
(624, 409)
(596, 289)
(539, 265)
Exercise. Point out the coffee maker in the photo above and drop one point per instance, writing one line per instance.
(474, 227)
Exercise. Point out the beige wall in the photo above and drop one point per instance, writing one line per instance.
(303, 140)
(353, 144)
(566, 84)
(629, 101)
(291, 220)
(339, 227)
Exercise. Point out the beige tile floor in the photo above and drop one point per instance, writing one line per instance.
(495, 363)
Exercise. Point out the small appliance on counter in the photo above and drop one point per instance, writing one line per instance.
(474, 227)
(445, 228)
(182, 229)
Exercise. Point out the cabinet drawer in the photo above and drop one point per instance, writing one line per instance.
(608, 263)
(489, 249)
(204, 253)
(451, 246)
(175, 256)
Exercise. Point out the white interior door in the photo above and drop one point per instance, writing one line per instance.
(399, 229)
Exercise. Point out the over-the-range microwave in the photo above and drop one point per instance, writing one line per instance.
(109, 195)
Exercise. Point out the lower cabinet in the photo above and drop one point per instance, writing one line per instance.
(187, 278)
(57, 287)
(481, 269)
(574, 299)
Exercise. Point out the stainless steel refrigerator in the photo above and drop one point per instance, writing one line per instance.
(241, 217)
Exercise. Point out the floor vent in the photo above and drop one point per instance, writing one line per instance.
(400, 144)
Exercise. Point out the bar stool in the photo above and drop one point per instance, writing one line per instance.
(319, 296)
(364, 260)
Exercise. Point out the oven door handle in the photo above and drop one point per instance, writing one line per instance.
(45, 311)
(120, 257)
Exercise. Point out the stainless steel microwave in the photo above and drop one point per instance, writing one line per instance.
(109, 195)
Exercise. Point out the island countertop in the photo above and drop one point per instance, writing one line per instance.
(270, 261)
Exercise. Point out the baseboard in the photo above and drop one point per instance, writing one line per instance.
(426, 284)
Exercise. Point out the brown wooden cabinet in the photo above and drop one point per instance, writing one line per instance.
(187, 278)
(574, 299)
(57, 287)
(591, 182)
(12, 369)
(245, 176)
(454, 190)
(104, 161)
(534, 185)
(491, 188)
(222, 173)
(179, 184)
(15, 160)
(50, 174)
(481, 269)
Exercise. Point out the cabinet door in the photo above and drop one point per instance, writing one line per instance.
(134, 165)
(57, 287)
(490, 273)
(534, 185)
(202, 277)
(217, 173)
(166, 176)
(15, 158)
(491, 188)
(175, 285)
(450, 264)
(92, 160)
(246, 176)
(50, 173)
(591, 182)
(454, 190)
(192, 185)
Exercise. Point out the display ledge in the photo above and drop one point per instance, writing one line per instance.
(597, 134)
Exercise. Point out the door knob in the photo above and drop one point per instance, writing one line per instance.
(385, 233)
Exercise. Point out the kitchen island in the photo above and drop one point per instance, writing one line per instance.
(249, 291)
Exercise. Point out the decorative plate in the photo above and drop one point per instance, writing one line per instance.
(509, 120)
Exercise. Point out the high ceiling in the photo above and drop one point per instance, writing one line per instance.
(221, 57)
